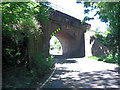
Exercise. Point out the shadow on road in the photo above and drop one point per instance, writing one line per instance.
(74, 78)
(96, 79)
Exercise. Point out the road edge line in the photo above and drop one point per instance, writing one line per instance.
(48, 78)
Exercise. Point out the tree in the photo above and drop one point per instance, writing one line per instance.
(19, 18)
(109, 12)
(19, 21)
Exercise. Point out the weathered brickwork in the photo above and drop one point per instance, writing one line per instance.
(71, 35)
(98, 49)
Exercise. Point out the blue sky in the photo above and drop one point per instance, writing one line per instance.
(77, 10)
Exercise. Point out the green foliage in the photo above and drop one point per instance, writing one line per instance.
(41, 65)
(43, 12)
(83, 21)
(20, 77)
(86, 18)
(19, 21)
(93, 57)
(109, 12)
(108, 59)
(101, 39)
(17, 77)
(51, 47)
(56, 44)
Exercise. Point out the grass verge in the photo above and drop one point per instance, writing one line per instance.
(108, 59)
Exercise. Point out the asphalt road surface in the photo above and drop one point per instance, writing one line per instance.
(84, 73)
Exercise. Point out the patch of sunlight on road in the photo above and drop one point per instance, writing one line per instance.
(70, 74)
(86, 65)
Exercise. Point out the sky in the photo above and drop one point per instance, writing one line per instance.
(77, 10)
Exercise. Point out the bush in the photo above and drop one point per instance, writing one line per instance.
(100, 38)
(109, 59)
(41, 66)
(17, 77)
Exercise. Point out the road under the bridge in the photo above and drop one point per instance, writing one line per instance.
(83, 73)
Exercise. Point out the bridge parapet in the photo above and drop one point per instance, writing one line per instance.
(58, 16)
(67, 22)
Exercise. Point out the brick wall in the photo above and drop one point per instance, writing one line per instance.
(98, 49)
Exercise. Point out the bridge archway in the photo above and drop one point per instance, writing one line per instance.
(70, 34)
(67, 40)
(55, 46)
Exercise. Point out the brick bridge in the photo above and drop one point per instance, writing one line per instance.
(70, 34)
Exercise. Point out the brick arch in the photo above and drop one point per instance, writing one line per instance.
(71, 34)
(67, 42)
